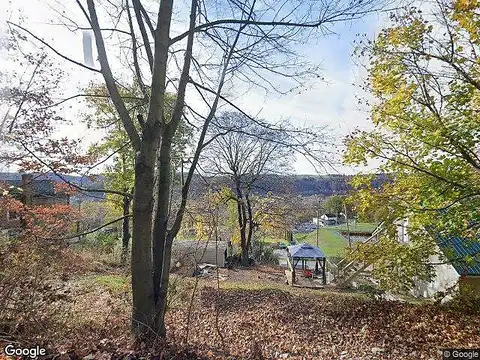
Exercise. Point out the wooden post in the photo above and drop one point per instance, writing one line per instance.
(291, 267)
(324, 274)
(348, 227)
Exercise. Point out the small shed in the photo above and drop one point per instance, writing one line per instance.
(189, 253)
(305, 253)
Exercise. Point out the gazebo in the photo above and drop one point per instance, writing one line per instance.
(304, 253)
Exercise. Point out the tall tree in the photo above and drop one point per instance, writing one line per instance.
(115, 145)
(423, 74)
(245, 152)
(336, 204)
(256, 37)
(119, 173)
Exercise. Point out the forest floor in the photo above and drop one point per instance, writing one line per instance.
(245, 314)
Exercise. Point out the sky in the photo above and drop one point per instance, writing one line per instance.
(330, 102)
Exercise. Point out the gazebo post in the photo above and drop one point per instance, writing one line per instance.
(291, 265)
(324, 274)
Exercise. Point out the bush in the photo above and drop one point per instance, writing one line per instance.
(104, 242)
(263, 253)
(179, 291)
(466, 300)
(30, 269)
(370, 290)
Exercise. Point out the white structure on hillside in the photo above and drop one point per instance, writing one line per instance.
(326, 219)
(447, 275)
(197, 251)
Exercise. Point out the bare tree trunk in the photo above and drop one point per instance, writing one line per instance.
(251, 223)
(161, 253)
(162, 299)
(142, 285)
(242, 224)
(125, 229)
(162, 237)
(145, 292)
(244, 236)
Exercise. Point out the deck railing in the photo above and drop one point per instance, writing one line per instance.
(346, 269)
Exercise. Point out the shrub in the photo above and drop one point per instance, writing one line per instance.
(29, 283)
(371, 290)
(101, 241)
(30, 262)
(466, 300)
(179, 291)
(264, 253)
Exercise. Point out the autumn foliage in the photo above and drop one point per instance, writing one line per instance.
(29, 259)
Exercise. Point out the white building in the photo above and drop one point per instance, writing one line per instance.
(447, 273)
(191, 252)
(326, 219)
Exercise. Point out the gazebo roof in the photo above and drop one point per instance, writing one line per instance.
(305, 251)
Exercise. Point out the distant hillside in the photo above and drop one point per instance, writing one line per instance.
(330, 184)
(300, 185)
(78, 180)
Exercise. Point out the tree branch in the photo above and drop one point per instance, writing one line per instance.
(179, 216)
(53, 49)
(146, 42)
(110, 81)
(106, 191)
(88, 95)
(24, 97)
(135, 54)
(93, 230)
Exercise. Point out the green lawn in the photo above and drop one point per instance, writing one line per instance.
(329, 240)
(272, 240)
(358, 227)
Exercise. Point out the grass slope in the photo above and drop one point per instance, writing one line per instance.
(329, 240)
(358, 227)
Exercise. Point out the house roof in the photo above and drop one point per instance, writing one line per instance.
(39, 187)
(464, 254)
(45, 189)
(305, 251)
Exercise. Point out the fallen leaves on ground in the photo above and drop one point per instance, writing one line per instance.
(263, 320)
(274, 324)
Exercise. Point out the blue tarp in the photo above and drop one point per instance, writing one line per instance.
(305, 251)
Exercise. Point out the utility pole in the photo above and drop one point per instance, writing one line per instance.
(318, 223)
(348, 227)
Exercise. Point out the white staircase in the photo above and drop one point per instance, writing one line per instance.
(347, 271)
